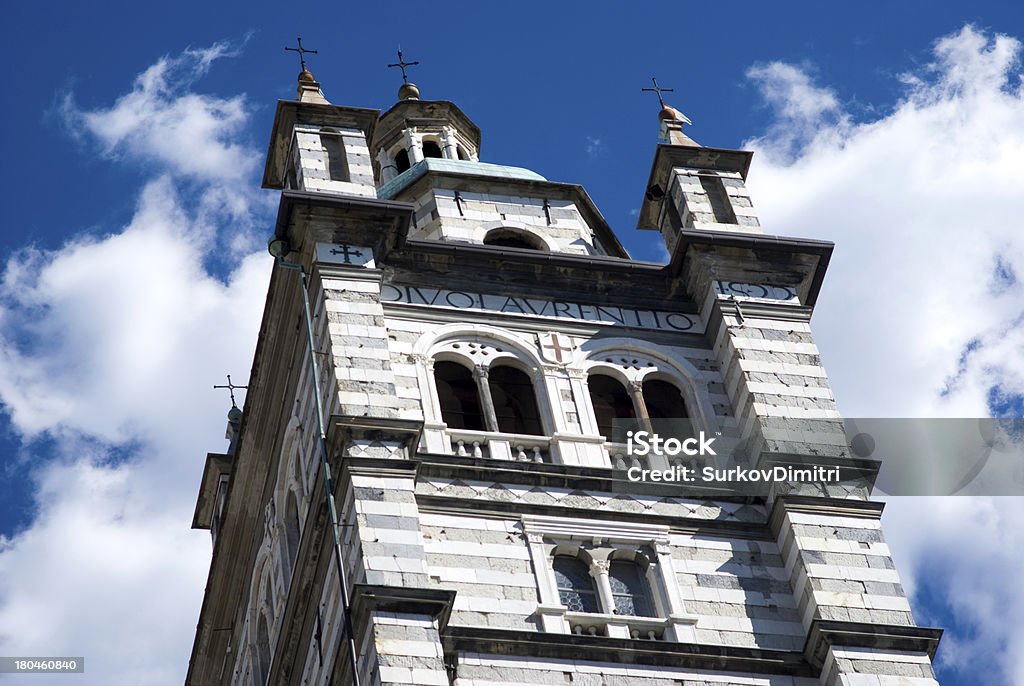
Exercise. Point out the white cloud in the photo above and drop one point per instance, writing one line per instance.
(159, 120)
(967, 552)
(109, 346)
(920, 313)
(594, 146)
(802, 109)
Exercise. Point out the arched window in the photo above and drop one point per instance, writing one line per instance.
(663, 400)
(268, 597)
(291, 531)
(630, 591)
(459, 397)
(431, 149)
(511, 238)
(575, 585)
(334, 157)
(402, 161)
(610, 401)
(461, 152)
(515, 403)
(262, 650)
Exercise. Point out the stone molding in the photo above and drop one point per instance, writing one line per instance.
(825, 634)
(599, 649)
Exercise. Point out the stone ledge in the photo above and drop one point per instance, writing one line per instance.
(825, 634)
(435, 603)
(820, 505)
(598, 649)
(709, 527)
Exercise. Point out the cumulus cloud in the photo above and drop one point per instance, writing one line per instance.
(921, 312)
(802, 109)
(109, 347)
(159, 120)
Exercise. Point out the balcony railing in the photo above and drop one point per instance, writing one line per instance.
(617, 626)
(499, 446)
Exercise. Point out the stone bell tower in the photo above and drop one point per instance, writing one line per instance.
(427, 484)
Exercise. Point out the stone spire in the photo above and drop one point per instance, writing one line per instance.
(309, 89)
(672, 121)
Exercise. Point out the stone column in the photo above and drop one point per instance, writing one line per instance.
(636, 394)
(388, 170)
(448, 138)
(599, 570)
(414, 146)
(486, 401)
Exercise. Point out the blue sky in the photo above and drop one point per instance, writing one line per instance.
(134, 266)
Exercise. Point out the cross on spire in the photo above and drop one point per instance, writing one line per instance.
(302, 58)
(402, 64)
(658, 90)
(231, 389)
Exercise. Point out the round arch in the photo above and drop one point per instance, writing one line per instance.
(668, 367)
(535, 236)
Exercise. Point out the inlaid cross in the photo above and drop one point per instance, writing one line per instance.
(658, 90)
(302, 53)
(553, 344)
(231, 389)
(346, 253)
(402, 64)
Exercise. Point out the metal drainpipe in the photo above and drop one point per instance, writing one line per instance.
(325, 468)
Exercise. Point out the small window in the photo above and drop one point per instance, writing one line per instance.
(663, 400)
(610, 401)
(291, 531)
(719, 199)
(458, 396)
(515, 403)
(334, 157)
(402, 161)
(431, 149)
(461, 152)
(630, 591)
(575, 585)
(511, 238)
(263, 650)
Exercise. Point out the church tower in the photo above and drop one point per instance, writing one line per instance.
(430, 482)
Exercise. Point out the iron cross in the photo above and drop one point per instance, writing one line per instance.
(402, 64)
(346, 252)
(231, 389)
(302, 53)
(658, 90)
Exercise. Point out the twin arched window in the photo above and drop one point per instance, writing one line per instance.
(502, 398)
(653, 399)
(577, 591)
(499, 398)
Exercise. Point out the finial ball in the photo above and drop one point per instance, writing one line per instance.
(408, 91)
(234, 415)
(306, 76)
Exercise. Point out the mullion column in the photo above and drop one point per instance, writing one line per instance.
(480, 372)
